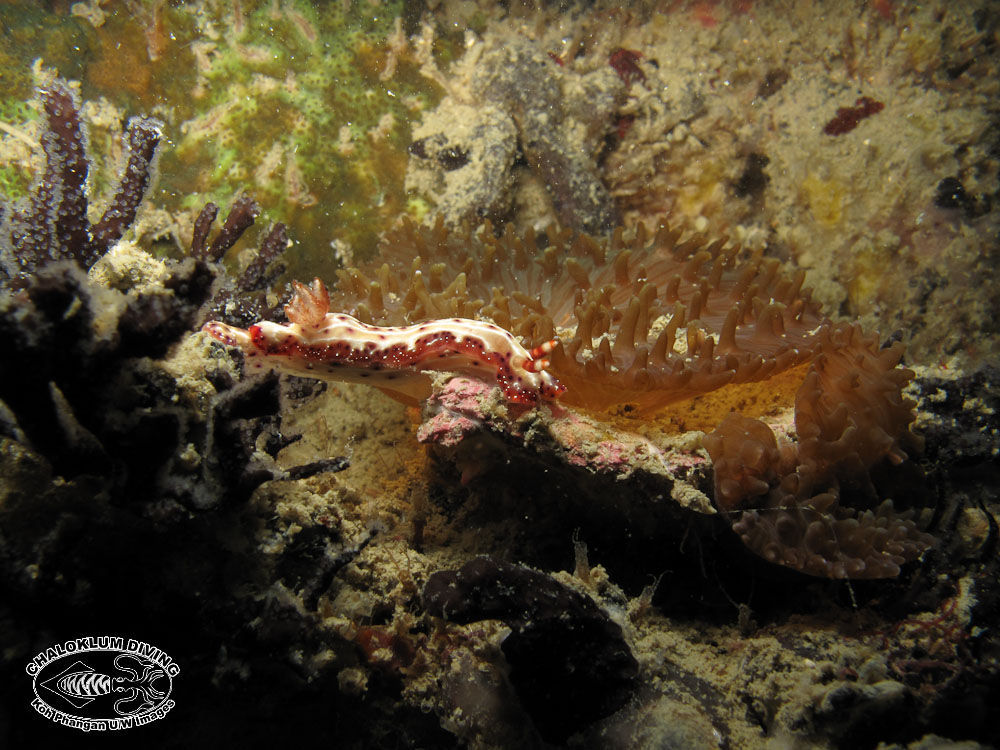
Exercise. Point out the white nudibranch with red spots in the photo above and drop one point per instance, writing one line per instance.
(334, 346)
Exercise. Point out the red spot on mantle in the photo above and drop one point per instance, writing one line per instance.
(257, 337)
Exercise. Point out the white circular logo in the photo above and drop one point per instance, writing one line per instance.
(101, 683)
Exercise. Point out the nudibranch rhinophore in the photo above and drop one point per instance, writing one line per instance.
(335, 346)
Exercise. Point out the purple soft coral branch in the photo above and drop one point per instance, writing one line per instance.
(202, 226)
(241, 217)
(53, 224)
(142, 136)
(57, 219)
(259, 273)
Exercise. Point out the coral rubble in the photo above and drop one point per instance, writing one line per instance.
(510, 101)
(568, 660)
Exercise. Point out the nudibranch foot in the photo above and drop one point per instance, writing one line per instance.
(335, 346)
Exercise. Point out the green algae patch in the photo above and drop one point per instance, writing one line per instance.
(15, 177)
(296, 107)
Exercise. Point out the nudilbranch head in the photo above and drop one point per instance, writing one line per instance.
(228, 335)
(261, 338)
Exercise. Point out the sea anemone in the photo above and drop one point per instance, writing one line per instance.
(648, 323)
(644, 322)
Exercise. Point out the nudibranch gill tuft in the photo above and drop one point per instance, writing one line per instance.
(335, 346)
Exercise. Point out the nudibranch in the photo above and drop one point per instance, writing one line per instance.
(335, 346)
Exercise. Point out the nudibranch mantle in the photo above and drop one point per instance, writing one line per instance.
(335, 346)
